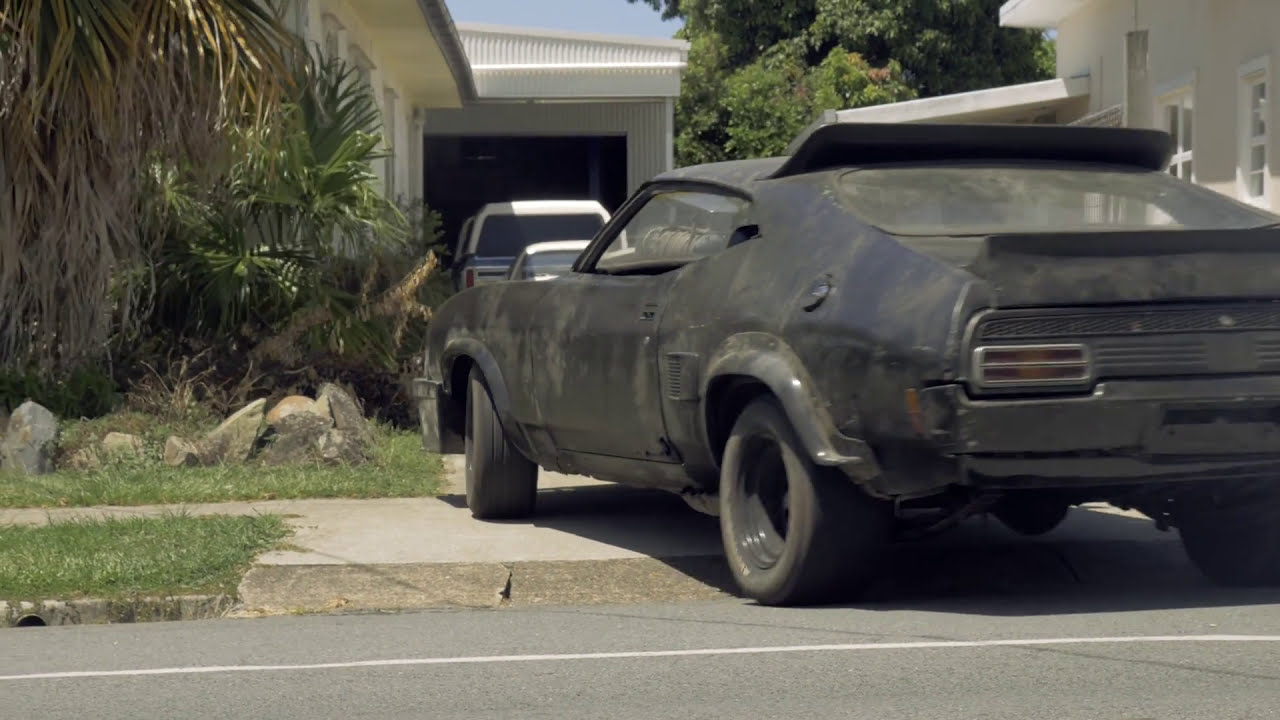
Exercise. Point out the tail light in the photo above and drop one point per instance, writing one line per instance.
(1010, 365)
(469, 278)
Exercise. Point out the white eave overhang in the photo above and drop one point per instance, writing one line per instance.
(1038, 14)
(994, 104)
(510, 63)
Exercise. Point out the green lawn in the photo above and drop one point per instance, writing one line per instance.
(400, 468)
(120, 558)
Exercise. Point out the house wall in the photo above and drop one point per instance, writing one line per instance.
(647, 125)
(1200, 47)
(331, 23)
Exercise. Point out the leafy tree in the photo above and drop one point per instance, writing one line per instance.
(944, 46)
(759, 69)
(89, 92)
(771, 100)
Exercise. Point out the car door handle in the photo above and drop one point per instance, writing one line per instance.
(649, 312)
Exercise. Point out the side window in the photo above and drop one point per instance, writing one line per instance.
(674, 228)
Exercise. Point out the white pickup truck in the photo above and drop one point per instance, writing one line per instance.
(491, 239)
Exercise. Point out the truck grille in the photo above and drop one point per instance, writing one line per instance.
(1150, 321)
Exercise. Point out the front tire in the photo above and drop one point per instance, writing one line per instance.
(794, 533)
(502, 484)
(1235, 546)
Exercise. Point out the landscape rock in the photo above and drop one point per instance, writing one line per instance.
(233, 440)
(296, 439)
(292, 405)
(338, 447)
(113, 447)
(28, 442)
(117, 445)
(180, 453)
(83, 459)
(346, 414)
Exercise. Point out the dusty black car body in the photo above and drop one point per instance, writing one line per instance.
(867, 338)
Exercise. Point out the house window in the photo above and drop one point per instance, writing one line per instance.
(332, 35)
(389, 111)
(1251, 167)
(363, 66)
(1176, 114)
(300, 18)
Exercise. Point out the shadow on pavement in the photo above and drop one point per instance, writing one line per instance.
(1095, 562)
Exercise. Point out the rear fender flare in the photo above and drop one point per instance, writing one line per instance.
(770, 361)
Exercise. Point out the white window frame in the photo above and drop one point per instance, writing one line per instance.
(1251, 74)
(1182, 98)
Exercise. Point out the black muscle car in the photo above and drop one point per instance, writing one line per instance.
(890, 329)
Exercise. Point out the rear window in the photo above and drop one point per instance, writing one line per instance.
(555, 262)
(508, 235)
(983, 199)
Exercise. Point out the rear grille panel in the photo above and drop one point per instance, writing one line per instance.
(1147, 321)
(1152, 342)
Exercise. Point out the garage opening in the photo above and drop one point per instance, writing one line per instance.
(463, 172)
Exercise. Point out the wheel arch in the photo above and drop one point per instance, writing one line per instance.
(459, 359)
(751, 364)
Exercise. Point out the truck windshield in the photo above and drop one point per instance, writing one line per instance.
(508, 235)
(985, 199)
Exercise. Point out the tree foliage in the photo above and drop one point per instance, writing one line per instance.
(760, 70)
(89, 92)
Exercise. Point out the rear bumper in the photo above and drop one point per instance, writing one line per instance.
(434, 412)
(1122, 432)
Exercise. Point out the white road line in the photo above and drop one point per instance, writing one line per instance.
(483, 659)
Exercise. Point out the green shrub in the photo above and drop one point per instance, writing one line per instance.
(88, 391)
(293, 271)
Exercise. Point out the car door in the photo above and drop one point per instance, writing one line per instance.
(599, 390)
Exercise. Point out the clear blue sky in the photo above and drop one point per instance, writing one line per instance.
(602, 16)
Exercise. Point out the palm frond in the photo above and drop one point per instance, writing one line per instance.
(90, 92)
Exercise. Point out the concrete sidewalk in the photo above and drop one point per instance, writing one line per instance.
(593, 542)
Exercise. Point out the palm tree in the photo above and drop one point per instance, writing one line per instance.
(89, 91)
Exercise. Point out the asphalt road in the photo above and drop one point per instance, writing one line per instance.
(1095, 653)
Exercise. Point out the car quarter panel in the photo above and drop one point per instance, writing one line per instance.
(493, 327)
(890, 321)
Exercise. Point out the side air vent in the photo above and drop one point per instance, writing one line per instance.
(680, 375)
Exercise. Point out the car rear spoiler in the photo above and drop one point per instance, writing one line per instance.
(830, 143)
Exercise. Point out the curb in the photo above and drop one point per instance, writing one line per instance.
(912, 573)
(104, 612)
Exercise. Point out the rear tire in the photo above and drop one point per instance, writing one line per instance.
(1030, 515)
(794, 533)
(502, 484)
(1235, 547)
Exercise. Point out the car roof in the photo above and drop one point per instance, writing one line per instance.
(543, 207)
(833, 145)
(555, 245)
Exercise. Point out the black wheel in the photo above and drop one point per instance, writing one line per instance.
(1030, 514)
(1238, 546)
(794, 533)
(502, 484)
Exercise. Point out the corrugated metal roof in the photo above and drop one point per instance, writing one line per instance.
(510, 63)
